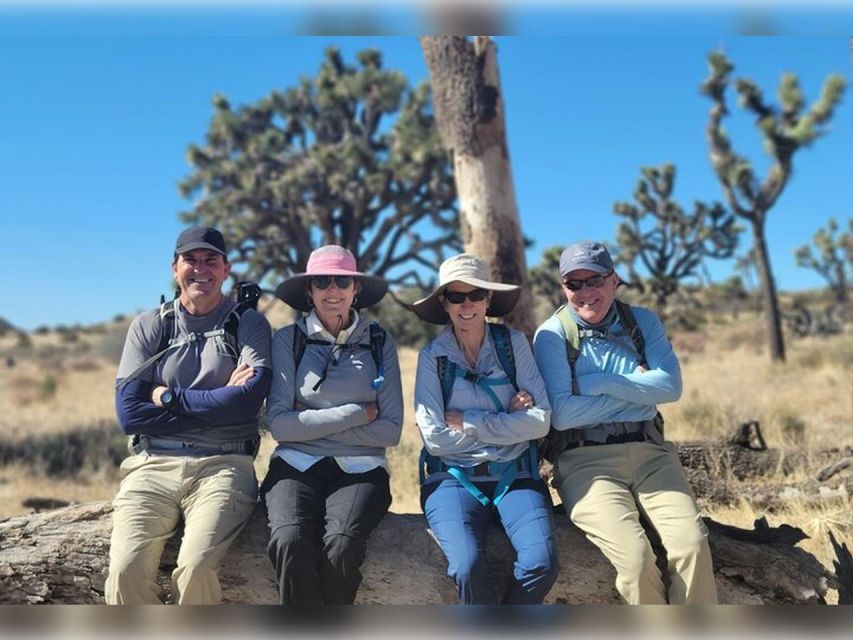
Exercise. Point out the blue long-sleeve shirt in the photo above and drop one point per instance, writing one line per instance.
(489, 434)
(611, 389)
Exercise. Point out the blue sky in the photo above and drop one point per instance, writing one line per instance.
(97, 109)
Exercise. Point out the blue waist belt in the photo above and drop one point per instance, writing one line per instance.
(505, 472)
(140, 443)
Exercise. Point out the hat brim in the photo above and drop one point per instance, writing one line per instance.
(504, 299)
(192, 246)
(586, 266)
(293, 290)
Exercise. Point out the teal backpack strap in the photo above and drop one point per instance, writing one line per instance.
(470, 487)
(570, 328)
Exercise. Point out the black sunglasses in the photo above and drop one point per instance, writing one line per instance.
(458, 297)
(593, 282)
(324, 282)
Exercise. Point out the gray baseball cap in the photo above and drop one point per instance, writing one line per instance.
(589, 255)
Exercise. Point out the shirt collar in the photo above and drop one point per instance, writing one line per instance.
(314, 327)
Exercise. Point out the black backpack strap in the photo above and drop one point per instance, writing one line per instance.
(502, 341)
(377, 350)
(629, 323)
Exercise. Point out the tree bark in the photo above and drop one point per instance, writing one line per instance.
(469, 109)
(768, 289)
(61, 557)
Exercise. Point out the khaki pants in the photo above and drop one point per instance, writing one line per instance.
(214, 494)
(604, 489)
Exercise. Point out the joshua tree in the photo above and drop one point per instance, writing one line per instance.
(832, 257)
(785, 130)
(320, 163)
(673, 244)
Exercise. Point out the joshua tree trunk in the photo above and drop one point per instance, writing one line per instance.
(768, 289)
(469, 110)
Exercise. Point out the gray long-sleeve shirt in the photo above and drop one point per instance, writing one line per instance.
(488, 435)
(335, 424)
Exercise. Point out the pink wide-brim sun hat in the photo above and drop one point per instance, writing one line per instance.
(471, 270)
(331, 260)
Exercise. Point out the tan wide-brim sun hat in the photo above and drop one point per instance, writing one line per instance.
(331, 260)
(473, 271)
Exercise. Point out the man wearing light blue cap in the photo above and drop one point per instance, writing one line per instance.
(606, 366)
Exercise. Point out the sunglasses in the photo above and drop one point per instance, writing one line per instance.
(324, 282)
(458, 297)
(594, 282)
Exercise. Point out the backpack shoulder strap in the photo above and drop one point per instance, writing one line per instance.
(502, 340)
(629, 322)
(377, 348)
(570, 329)
(299, 339)
(446, 374)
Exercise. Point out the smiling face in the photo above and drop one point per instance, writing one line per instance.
(467, 314)
(591, 304)
(333, 302)
(200, 274)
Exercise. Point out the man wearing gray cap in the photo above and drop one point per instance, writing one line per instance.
(606, 366)
(192, 377)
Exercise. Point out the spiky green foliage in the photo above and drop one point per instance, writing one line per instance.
(350, 157)
(670, 244)
(785, 129)
(831, 257)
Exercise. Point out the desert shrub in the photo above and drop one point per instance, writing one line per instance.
(700, 416)
(84, 364)
(41, 330)
(48, 386)
(24, 342)
(71, 453)
(689, 342)
(111, 344)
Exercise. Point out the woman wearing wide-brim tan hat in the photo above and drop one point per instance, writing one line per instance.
(335, 406)
(480, 405)
(470, 270)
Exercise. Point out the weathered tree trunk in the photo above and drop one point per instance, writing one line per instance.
(61, 557)
(469, 109)
(768, 289)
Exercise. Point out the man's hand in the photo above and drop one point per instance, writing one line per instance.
(641, 369)
(453, 419)
(372, 411)
(240, 376)
(156, 393)
(521, 401)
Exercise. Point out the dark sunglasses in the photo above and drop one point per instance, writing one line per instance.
(458, 297)
(324, 282)
(594, 282)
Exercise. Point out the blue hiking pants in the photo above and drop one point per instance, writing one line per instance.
(460, 524)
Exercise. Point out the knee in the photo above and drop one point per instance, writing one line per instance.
(689, 544)
(467, 568)
(342, 549)
(288, 540)
(638, 561)
(540, 560)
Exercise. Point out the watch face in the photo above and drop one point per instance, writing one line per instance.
(167, 399)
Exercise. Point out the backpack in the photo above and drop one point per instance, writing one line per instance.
(246, 294)
(376, 347)
(556, 441)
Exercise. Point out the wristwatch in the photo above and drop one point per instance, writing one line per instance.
(168, 399)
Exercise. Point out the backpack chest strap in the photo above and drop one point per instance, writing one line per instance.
(485, 384)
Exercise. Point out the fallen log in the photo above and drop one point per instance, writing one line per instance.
(61, 557)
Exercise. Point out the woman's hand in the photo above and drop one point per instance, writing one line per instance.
(453, 419)
(521, 401)
(240, 376)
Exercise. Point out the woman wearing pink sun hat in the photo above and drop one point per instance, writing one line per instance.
(335, 405)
